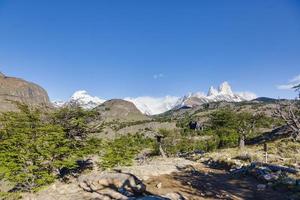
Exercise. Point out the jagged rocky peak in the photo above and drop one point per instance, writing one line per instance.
(2, 75)
(212, 91)
(225, 88)
(224, 93)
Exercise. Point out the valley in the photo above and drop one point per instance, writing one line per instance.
(222, 145)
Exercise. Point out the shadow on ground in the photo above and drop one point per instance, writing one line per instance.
(205, 183)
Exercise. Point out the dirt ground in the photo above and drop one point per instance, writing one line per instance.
(200, 182)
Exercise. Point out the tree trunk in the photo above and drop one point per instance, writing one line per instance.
(242, 141)
(162, 153)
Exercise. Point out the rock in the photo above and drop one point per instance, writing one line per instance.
(150, 198)
(195, 125)
(288, 181)
(174, 196)
(116, 185)
(271, 177)
(15, 89)
(261, 187)
(5, 185)
(159, 185)
(157, 167)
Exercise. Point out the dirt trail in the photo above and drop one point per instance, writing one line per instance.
(200, 182)
(165, 177)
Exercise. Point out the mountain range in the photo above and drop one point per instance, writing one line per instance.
(153, 106)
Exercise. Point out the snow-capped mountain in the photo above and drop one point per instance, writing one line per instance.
(152, 105)
(58, 103)
(81, 98)
(223, 93)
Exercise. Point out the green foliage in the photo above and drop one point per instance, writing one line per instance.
(34, 149)
(228, 137)
(231, 126)
(174, 142)
(30, 149)
(121, 151)
(10, 196)
(224, 118)
(74, 121)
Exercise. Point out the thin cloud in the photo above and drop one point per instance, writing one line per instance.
(292, 83)
(158, 76)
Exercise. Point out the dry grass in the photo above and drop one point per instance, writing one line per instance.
(284, 152)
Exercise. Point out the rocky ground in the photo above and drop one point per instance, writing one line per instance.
(172, 178)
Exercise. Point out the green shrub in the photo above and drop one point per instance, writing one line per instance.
(227, 137)
(74, 121)
(122, 151)
(33, 149)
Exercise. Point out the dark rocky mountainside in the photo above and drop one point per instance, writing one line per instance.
(15, 89)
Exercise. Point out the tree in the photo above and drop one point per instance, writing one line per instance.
(30, 149)
(74, 121)
(246, 124)
(224, 118)
(289, 112)
(223, 123)
(297, 89)
(233, 127)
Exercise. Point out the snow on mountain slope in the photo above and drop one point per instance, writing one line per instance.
(85, 100)
(58, 103)
(224, 93)
(81, 98)
(157, 105)
(152, 105)
(147, 105)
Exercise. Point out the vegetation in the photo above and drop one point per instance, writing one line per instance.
(289, 112)
(74, 121)
(28, 156)
(122, 151)
(234, 127)
(175, 142)
(36, 149)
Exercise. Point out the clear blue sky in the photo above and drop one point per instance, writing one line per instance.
(119, 48)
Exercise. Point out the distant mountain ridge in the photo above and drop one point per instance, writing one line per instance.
(153, 106)
(223, 93)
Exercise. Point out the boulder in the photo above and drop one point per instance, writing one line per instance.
(261, 187)
(195, 125)
(174, 196)
(116, 185)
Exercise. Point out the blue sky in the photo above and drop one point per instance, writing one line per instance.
(118, 48)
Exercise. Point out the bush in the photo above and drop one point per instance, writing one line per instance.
(30, 149)
(122, 151)
(174, 142)
(227, 137)
(74, 121)
(33, 149)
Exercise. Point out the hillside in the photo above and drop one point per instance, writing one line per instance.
(15, 89)
(119, 110)
(114, 151)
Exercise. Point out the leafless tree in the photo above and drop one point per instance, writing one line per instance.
(297, 89)
(289, 112)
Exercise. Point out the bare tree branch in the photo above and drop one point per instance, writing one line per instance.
(287, 112)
